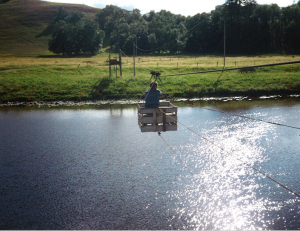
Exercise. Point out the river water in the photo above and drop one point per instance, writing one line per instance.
(92, 168)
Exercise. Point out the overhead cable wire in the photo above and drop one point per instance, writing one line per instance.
(235, 68)
(193, 175)
(249, 165)
(247, 117)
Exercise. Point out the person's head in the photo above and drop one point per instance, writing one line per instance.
(153, 84)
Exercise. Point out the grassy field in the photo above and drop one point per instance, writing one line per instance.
(50, 77)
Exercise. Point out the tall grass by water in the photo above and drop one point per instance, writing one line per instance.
(51, 77)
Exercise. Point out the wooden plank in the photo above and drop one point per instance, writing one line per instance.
(157, 120)
(151, 110)
(161, 104)
(158, 128)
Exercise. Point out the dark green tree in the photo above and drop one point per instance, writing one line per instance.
(291, 24)
(92, 37)
(61, 14)
(74, 34)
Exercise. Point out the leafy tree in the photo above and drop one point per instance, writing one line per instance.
(291, 24)
(73, 34)
(250, 28)
(58, 43)
(109, 17)
(74, 17)
(92, 38)
(61, 14)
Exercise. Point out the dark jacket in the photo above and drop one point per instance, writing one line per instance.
(152, 98)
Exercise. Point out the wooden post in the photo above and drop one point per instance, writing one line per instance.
(120, 60)
(109, 67)
(133, 61)
(224, 41)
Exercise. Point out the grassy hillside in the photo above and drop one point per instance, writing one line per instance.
(22, 20)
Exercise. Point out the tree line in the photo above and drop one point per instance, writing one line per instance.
(250, 28)
(72, 34)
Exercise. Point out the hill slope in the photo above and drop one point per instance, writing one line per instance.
(22, 20)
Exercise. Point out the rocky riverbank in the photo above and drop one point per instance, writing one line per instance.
(130, 102)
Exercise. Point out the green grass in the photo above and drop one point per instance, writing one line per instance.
(56, 78)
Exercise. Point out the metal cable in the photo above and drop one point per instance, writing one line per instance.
(193, 175)
(298, 195)
(247, 117)
(231, 69)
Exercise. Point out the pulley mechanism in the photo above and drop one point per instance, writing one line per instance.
(155, 75)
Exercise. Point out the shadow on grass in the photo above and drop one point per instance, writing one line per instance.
(99, 87)
(216, 84)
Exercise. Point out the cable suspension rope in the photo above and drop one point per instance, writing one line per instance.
(193, 175)
(266, 175)
(232, 69)
(247, 117)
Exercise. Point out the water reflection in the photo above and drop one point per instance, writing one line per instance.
(91, 168)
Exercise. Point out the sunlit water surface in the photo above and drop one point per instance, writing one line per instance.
(91, 168)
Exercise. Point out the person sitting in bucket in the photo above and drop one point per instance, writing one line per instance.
(152, 96)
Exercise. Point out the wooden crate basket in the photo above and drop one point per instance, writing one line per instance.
(154, 120)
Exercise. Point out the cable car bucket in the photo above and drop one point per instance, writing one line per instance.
(161, 119)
